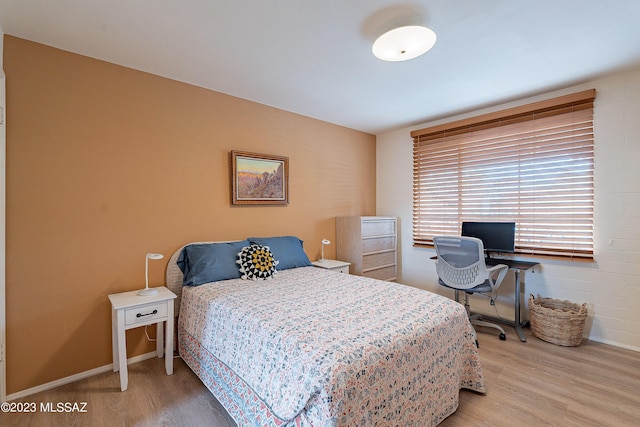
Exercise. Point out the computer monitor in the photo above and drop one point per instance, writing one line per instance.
(495, 236)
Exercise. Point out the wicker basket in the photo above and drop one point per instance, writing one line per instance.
(557, 322)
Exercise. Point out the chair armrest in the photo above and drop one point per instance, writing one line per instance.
(501, 269)
(497, 267)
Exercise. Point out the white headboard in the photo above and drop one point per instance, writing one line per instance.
(174, 276)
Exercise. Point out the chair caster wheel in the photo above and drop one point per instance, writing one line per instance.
(503, 337)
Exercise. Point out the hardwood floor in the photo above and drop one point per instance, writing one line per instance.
(541, 384)
(529, 384)
(152, 399)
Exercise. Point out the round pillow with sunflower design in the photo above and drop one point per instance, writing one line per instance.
(256, 262)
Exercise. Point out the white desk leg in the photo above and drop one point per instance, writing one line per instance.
(168, 352)
(122, 351)
(114, 340)
(159, 339)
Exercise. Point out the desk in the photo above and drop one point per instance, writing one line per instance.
(517, 267)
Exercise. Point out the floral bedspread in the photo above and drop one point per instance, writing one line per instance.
(336, 349)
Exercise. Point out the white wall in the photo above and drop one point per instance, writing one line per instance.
(611, 284)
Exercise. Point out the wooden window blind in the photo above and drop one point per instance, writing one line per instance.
(531, 164)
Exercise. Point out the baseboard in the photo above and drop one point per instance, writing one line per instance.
(77, 377)
(615, 344)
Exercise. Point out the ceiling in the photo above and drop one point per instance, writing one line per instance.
(314, 57)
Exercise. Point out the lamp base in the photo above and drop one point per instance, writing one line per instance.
(147, 291)
(322, 260)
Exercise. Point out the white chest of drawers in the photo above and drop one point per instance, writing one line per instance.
(369, 243)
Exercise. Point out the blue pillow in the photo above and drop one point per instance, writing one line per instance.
(210, 262)
(286, 249)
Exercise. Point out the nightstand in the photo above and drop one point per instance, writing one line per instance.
(333, 265)
(130, 310)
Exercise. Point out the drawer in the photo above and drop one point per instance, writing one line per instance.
(378, 259)
(145, 313)
(386, 273)
(344, 269)
(378, 228)
(377, 244)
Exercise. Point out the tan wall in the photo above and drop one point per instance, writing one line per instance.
(105, 164)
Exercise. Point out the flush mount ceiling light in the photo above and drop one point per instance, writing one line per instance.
(404, 43)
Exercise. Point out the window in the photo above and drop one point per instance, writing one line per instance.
(531, 164)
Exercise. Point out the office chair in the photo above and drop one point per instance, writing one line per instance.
(461, 266)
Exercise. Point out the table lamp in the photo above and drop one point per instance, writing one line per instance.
(324, 242)
(146, 291)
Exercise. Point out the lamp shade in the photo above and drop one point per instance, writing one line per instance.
(404, 43)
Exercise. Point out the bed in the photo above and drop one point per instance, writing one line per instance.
(312, 347)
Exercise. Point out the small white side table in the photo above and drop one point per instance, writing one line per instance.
(130, 310)
(334, 265)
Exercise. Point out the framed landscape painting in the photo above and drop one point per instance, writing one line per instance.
(259, 179)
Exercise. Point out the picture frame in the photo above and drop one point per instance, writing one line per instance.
(259, 179)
